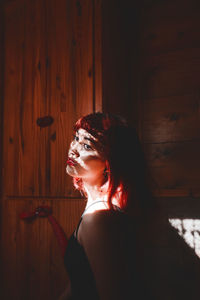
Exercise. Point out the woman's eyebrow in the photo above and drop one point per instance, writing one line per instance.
(87, 138)
(91, 140)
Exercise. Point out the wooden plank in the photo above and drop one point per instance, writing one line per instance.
(166, 27)
(119, 36)
(165, 9)
(1, 117)
(171, 119)
(25, 100)
(1, 87)
(170, 74)
(97, 54)
(174, 167)
(180, 207)
(32, 262)
(169, 90)
(48, 67)
(71, 80)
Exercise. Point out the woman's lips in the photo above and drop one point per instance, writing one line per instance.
(71, 162)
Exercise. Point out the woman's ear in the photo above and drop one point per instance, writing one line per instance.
(106, 170)
(107, 167)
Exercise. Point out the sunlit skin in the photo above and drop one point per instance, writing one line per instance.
(87, 162)
(101, 230)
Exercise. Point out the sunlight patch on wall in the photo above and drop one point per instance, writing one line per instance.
(189, 229)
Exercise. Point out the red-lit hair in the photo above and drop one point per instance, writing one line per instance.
(124, 156)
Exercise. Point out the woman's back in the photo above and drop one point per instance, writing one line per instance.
(101, 255)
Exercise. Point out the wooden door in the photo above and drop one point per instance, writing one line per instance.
(52, 76)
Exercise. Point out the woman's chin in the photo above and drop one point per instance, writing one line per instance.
(70, 171)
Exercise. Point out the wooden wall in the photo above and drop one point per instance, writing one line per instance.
(54, 54)
(169, 127)
(1, 119)
(52, 76)
(119, 57)
(168, 93)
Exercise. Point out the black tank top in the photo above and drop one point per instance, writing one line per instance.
(79, 270)
(82, 280)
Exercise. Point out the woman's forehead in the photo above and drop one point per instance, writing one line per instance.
(85, 134)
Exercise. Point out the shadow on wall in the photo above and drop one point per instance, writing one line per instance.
(168, 265)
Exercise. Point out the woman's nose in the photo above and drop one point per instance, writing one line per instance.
(74, 152)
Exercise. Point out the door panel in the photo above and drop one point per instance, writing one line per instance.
(51, 57)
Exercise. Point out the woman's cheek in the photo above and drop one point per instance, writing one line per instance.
(90, 158)
(96, 165)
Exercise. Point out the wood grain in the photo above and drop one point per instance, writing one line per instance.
(177, 29)
(32, 261)
(97, 55)
(172, 119)
(48, 72)
(52, 72)
(168, 94)
(175, 167)
(170, 74)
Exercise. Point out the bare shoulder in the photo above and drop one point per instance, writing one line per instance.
(103, 219)
(103, 238)
(105, 224)
(100, 218)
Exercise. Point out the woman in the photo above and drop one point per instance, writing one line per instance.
(107, 164)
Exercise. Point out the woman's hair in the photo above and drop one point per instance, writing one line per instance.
(126, 165)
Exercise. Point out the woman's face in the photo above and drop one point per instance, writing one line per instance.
(85, 159)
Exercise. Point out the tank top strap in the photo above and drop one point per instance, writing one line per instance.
(77, 228)
(117, 208)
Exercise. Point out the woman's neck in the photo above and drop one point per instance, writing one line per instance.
(97, 197)
(96, 193)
